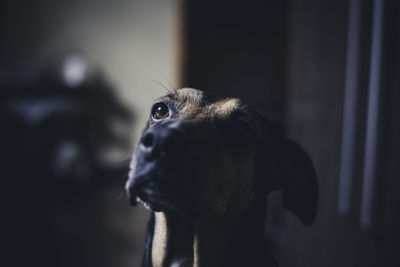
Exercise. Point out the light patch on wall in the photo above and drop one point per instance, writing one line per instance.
(134, 43)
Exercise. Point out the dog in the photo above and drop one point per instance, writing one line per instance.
(203, 166)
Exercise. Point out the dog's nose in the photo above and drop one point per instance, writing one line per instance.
(148, 143)
(148, 140)
(161, 139)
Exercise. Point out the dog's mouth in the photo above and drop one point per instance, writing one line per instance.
(148, 191)
(166, 180)
(155, 201)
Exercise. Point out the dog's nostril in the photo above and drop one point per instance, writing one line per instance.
(148, 140)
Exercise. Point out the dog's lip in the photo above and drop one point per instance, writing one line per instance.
(156, 202)
(146, 193)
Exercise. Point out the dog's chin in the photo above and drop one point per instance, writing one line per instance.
(154, 197)
(158, 204)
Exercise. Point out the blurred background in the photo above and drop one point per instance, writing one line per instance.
(77, 79)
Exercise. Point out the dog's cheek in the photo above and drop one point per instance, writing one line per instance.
(230, 180)
(242, 181)
(212, 181)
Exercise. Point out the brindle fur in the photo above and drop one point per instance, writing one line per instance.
(208, 192)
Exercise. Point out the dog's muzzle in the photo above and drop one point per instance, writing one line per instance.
(163, 166)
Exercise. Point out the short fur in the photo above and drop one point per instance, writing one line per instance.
(204, 171)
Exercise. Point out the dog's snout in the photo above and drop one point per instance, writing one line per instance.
(148, 143)
(148, 140)
(159, 139)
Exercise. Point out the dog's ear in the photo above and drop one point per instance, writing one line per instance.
(294, 174)
(282, 164)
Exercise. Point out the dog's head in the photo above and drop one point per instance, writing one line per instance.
(201, 155)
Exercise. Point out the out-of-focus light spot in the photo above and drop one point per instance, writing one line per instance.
(37, 110)
(74, 70)
(70, 161)
(68, 152)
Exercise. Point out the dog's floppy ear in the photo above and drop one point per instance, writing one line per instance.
(282, 164)
(293, 173)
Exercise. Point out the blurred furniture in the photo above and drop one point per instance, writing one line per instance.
(59, 127)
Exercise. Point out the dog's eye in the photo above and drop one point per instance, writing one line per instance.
(160, 111)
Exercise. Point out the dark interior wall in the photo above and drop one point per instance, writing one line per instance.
(238, 49)
(387, 234)
(316, 78)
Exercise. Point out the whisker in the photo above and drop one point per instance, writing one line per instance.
(121, 195)
(173, 88)
(122, 162)
(163, 86)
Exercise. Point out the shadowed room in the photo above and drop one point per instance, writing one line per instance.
(80, 88)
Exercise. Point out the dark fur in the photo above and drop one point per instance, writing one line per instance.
(207, 148)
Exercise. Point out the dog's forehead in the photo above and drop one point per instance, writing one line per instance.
(192, 103)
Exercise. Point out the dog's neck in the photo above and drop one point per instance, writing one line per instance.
(179, 243)
(212, 242)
